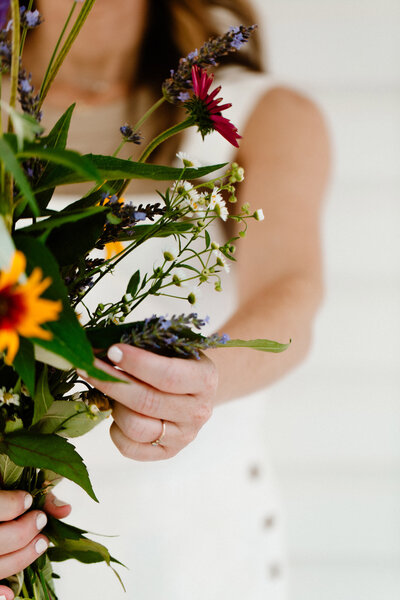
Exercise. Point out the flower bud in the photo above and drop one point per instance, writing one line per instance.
(258, 214)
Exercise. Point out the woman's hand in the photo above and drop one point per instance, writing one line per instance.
(162, 406)
(20, 540)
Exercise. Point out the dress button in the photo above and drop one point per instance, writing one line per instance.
(274, 571)
(269, 521)
(254, 471)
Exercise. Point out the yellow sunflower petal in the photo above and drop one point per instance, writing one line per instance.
(113, 248)
(9, 341)
(18, 265)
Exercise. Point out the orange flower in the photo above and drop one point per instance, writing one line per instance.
(21, 310)
(113, 248)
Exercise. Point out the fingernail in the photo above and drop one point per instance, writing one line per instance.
(3, 597)
(27, 504)
(82, 374)
(41, 545)
(59, 503)
(115, 354)
(41, 521)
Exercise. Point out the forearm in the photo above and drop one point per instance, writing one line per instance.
(281, 311)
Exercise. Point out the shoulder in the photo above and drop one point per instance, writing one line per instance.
(286, 123)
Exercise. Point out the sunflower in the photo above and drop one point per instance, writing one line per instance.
(22, 311)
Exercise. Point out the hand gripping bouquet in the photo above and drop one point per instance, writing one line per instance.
(47, 267)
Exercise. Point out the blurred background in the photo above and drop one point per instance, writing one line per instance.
(334, 424)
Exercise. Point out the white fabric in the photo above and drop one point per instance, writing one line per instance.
(205, 525)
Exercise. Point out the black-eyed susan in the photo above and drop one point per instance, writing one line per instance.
(22, 311)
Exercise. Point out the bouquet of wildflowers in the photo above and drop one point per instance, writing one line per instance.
(47, 267)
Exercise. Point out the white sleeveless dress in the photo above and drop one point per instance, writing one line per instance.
(205, 525)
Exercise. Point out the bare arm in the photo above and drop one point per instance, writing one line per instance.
(286, 155)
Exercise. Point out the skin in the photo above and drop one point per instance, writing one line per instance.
(286, 155)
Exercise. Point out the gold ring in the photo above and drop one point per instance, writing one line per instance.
(158, 440)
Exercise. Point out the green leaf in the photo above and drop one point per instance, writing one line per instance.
(43, 398)
(70, 418)
(57, 138)
(24, 364)
(207, 239)
(58, 530)
(77, 163)
(69, 339)
(12, 166)
(133, 283)
(156, 230)
(261, 344)
(52, 452)
(61, 219)
(111, 168)
(10, 473)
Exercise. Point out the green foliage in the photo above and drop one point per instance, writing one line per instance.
(12, 166)
(52, 452)
(42, 399)
(70, 418)
(261, 344)
(24, 364)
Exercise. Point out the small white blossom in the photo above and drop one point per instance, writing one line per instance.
(259, 215)
(217, 203)
(221, 260)
(188, 161)
(9, 397)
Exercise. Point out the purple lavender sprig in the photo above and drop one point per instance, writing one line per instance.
(124, 216)
(177, 87)
(4, 8)
(173, 336)
(28, 100)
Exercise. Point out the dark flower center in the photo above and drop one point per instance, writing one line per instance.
(198, 109)
(12, 306)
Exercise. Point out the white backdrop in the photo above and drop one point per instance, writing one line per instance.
(334, 424)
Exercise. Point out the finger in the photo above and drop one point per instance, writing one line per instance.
(145, 399)
(172, 375)
(140, 428)
(13, 504)
(17, 561)
(6, 593)
(17, 534)
(55, 507)
(136, 450)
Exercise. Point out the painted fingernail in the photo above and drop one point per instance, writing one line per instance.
(115, 354)
(41, 521)
(27, 504)
(59, 503)
(2, 597)
(41, 545)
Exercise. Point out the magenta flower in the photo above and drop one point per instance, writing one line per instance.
(206, 109)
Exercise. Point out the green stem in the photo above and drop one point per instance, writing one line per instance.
(14, 57)
(25, 30)
(164, 136)
(25, 591)
(148, 113)
(60, 37)
(44, 585)
(77, 26)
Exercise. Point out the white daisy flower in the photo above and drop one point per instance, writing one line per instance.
(8, 397)
(187, 160)
(221, 260)
(185, 193)
(217, 203)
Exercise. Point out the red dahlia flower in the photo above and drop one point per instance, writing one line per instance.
(206, 109)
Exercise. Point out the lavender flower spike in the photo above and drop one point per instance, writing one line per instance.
(4, 8)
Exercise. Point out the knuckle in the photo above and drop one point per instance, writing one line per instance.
(203, 413)
(149, 401)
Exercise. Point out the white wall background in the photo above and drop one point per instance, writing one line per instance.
(334, 424)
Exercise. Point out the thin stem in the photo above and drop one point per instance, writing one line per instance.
(77, 26)
(14, 57)
(164, 136)
(25, 30)
(53, 56)
(148, 113)
(25, 591)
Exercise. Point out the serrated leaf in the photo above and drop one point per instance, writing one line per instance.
(10, 473)
(70, 419)
(52, 452)
(43, 399)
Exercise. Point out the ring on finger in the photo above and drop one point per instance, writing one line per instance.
(160, 437)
